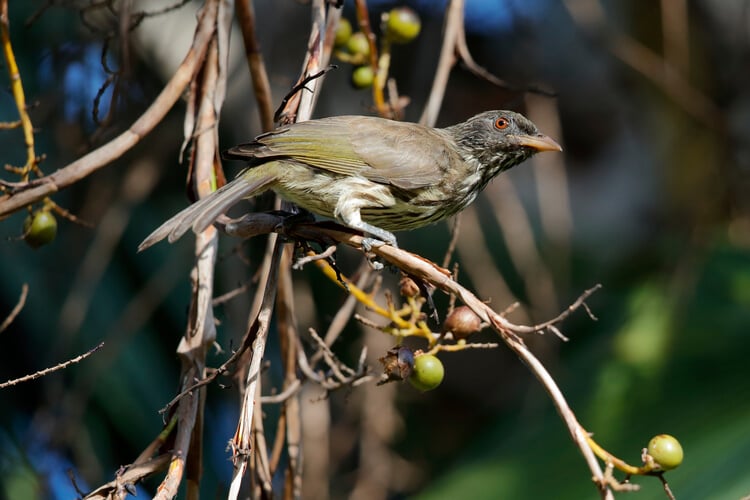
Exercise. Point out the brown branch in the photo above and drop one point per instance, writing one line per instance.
(288, 335)
(454, 19)
(298, 108)
(231, 294)
(187, 456)
(192, 350)
(103, 155)
(462, 48)
(261, 462)
(363, 20)
(455, 228)
(333, 377)
(215, 373)
(258, 74)
(10, 125)
(292, 96)
(242, 439)
(47, 371)
(16, 309)
(157, 442)
(289, 391)
(129, 475)
(509, 332)
(579, 303)
(278, 443)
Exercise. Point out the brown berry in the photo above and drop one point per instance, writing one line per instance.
(408, 287)
(462, 322)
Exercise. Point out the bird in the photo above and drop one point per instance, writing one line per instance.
(371, 174)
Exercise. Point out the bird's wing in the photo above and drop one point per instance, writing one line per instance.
(384, 151)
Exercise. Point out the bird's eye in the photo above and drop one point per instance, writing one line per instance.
(502, 123)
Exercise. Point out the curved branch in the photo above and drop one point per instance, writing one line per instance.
(16, 309)
(507, 331)
(430, 272)
(103, 155)
(454, 19)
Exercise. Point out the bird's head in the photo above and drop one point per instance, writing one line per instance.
(499, 140)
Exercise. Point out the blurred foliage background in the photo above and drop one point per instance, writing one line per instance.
(652, 106)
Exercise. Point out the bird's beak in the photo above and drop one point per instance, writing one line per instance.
(538, 142)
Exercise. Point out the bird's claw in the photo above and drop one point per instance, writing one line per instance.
(375, 264)
(369, 243)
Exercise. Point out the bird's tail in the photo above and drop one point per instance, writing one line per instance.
(205, 211)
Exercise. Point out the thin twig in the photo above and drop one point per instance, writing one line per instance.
(105, 154)
(226, 297)
(455, 231)
(242, 439)
(462, 48)
(453, 20)
(667, 489)
(302, 85)
(579, 303)
(258, 73)
(47, 371)
(208, 93)
(325, 254)
(16, 309)
(130, 475)
(289, 391)
(288, 335)
(261, 465)
(508, 332)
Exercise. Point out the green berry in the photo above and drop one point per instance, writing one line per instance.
(343, 32)
(402, 25)
(362, 77)
(666, 451)
(428, 372)
(39, 228)
(358, 45)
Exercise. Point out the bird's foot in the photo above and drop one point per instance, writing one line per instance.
(369, 243)
(375, 237)
(376, 265)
